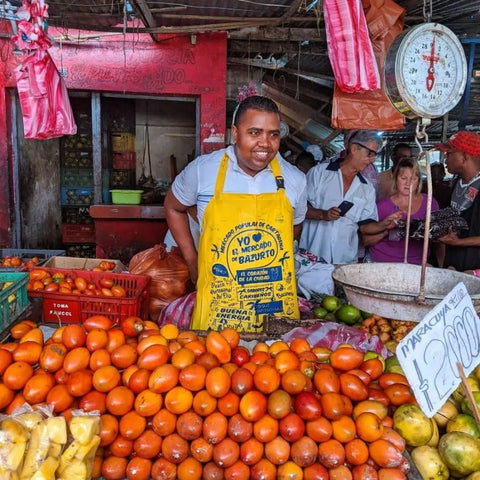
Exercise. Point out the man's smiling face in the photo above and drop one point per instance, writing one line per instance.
(256, 140)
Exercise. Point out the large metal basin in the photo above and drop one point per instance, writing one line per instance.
(391, 289)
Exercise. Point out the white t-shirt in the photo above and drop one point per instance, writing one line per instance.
(337, 241)
(195, 185)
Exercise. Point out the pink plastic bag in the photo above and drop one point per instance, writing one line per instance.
(349, 47)
(179, 312)
(43, 98)
(331, 335)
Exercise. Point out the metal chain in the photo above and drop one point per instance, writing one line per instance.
(427, 16)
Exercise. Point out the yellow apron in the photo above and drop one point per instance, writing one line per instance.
(245, 258)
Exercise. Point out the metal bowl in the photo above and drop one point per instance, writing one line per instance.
(392, 289)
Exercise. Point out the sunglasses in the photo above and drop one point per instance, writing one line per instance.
(371, 152)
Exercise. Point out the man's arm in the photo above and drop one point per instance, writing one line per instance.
(177, 220)
(452, 239)
(372, 228)
(329, 215)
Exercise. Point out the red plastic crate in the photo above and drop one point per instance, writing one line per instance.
(70, 308)
(124, 160)
(78, 233)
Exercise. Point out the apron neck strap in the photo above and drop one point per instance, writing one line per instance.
(222, 173)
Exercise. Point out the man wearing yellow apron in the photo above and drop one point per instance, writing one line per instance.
(250, 205)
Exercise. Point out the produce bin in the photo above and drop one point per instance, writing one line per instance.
(13, 299)
(25, 255)
(77, 263)
(80, 233)
(71, 308)
(126, 197)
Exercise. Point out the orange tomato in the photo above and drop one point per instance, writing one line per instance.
(17, 374)
(132, 425)
(344, 429)
(331, 453)
(353, 387)
(333, 405)
(76, 359)
(20, 329)
(304, 452)
(97, 321)
(253, 405)
(118, 291)
(33, 335)
(346, 359)
(385, 454)
(28, 352)
(266, 379)
(218, 345)
(397, 393)
(319, 430)
(189, 425)
(80, 284)
(387, 379)
(326, 381)
(73, 336)
(369, 427)
(163, 378)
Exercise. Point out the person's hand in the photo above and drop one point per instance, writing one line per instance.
(450, 238)
(192, 264)
(332, 214)
(390, 221)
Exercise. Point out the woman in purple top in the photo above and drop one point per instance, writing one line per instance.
(388, 246)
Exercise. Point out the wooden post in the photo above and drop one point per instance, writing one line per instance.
(469, 394)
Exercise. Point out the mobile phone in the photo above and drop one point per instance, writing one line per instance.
(344, 207)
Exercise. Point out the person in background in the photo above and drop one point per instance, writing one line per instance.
(305, 161)
(385, 179)
(326, 232)
(462, 152)
(370, 172)
(389, 246)
(250, 206)
(441, 189)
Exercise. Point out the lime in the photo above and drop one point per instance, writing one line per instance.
(319, 312)
(365, 315)
(331, 303)
(348, 314)
(330, 316)
(392, 365)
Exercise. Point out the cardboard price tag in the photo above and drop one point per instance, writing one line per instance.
(448, 334)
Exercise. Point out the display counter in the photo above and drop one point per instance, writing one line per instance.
(123, 230)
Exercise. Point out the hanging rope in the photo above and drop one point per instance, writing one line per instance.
(297, 93)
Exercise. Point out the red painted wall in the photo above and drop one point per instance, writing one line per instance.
(136, 65)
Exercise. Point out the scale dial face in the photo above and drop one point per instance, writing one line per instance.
(426, 71)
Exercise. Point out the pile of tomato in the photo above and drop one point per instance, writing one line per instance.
(13, 261)
(178, 406)
(43, 280)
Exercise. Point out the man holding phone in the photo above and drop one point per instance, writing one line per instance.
(341, 202)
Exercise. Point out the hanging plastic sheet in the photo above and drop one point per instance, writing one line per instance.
(349, 47)
(46, 108)
(372, 109)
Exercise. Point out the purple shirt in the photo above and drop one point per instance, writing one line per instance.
(394, 250)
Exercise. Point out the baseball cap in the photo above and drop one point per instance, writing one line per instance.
(464, 141)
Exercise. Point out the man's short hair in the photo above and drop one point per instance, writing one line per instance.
(255, 102)
(305, 158)
(399, 146)
(363, 137)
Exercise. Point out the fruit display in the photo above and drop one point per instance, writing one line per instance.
(333, 308)
(33, 445)
(14, 261)
(390, 332)
(43, 280)
(177, 405)
(104, 266)
(447, 445)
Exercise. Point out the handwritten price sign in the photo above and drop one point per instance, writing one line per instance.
(429, 354)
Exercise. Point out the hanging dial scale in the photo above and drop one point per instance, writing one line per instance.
(425, 71)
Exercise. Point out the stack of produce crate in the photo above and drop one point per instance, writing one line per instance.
(78, 229)
(124, 161)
